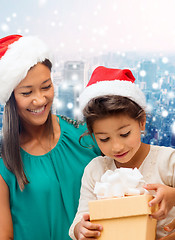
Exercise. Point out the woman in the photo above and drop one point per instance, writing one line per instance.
(42, 161)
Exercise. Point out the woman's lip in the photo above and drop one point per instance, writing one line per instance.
(120, 155)
(38, 113)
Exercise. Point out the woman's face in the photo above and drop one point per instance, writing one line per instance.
(34, 95)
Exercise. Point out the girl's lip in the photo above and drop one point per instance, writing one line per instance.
(120, 155)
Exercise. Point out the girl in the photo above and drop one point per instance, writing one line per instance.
(114, 109)
(42, 161)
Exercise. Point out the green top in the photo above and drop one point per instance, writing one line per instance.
(47, 206)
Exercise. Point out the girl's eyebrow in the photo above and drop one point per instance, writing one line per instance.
(29, 86)
(117, 129)
(123, 126)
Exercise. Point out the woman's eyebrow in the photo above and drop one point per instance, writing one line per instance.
(46, 80)
(29, 86)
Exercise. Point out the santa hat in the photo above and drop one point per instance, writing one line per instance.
(17, 55)
(109, 81)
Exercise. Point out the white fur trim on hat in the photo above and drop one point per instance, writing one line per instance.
(18, 59)
(115, 87)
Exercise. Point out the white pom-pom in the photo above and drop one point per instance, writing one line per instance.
(106, 175)
(121, 182)
(101, 189)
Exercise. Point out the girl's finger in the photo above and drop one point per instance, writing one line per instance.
(155, 200)
(151, 186)
(168, 237)
(169, 227)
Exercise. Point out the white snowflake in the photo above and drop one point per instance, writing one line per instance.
(155, 85)
(4, 27)
(164, 113)
(142, 73)
(70, 105)
(165, 60)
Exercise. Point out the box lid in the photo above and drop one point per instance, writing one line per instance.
(120, 207)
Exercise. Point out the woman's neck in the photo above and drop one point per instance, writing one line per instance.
(38, 140)
(33, 132)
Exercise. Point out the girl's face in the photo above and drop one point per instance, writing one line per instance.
(119, 137)
(34, 95)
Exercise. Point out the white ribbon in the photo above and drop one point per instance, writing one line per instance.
(119, 183)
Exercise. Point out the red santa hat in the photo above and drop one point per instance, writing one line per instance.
(17, 55)
(109, 81)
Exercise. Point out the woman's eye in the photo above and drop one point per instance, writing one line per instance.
(104, 139)
(47, 87)
(26, 93)
(125, 135)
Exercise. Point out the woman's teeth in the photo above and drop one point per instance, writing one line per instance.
(37, 110)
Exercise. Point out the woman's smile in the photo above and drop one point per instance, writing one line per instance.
(37, 111)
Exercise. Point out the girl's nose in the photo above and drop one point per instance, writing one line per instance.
(117, 146)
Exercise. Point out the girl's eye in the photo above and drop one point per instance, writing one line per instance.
(104, 139)
(26, 93)
(125, 135)
(47, 87)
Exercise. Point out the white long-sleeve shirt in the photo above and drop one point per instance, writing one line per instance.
(157, 167)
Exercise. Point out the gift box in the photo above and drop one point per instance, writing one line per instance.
(125, 218)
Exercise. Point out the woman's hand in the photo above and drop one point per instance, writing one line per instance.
(86, 230)
(169, 228)
(165, 198)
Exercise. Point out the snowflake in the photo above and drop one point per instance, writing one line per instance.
(142, 73)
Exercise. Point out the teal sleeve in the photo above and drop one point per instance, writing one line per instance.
(7, 175)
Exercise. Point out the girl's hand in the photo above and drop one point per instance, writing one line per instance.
(86, 230)
(165, 198)
(170, 227)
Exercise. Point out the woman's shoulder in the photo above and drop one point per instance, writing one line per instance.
(69, 124)
(2, 165)
(72, 127)
(70, 121)
(6, 174)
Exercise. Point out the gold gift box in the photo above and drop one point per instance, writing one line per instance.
(125, 218)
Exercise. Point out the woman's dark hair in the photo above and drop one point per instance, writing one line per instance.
(110, 105)
(12, 127)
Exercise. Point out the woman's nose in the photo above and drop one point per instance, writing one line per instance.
(39, 99)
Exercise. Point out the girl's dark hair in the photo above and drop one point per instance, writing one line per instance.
(11, 129)
(110, 105)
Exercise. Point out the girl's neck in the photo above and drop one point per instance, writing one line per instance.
(138, 158)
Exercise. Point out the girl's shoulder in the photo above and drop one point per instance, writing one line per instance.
(100, 164)
(162, 164)
(161, 156)
(162, 150)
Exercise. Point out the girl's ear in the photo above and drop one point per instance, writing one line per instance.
(143, 123)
